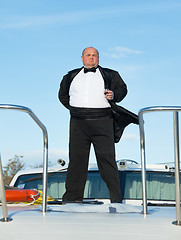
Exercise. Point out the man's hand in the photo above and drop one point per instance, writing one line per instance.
(109, 94)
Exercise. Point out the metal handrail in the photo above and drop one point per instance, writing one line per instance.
(175, 110)
(3, 197)
(45, 152)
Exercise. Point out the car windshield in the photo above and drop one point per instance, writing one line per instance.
(160, 185)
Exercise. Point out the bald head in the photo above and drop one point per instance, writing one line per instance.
(90, 57)
(90, 48)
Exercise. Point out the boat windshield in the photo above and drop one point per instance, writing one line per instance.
(160, 185)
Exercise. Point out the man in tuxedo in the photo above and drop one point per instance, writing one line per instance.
(87, 92)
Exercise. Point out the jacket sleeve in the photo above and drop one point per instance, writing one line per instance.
(63, 94)
(118, 87)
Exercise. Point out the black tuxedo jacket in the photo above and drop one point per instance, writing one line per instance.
(113, 81)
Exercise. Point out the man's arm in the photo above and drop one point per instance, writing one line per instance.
(118, 87)
(63, 93)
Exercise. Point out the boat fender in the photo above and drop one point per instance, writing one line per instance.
(22, 195)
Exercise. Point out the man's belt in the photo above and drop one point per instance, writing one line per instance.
(90, 113)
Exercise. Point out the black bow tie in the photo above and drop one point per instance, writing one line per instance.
(86, 70)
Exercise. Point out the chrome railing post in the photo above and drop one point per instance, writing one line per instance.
(3, 196)
(175, 110)
(45, 177)
(143, 163)
(45, 152)
(177, 167)
(45, 159)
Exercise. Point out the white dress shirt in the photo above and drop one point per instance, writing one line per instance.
(87, 90)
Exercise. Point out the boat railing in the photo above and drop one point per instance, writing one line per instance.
(175, 110)
(45, 158)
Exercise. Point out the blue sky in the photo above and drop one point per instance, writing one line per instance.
(40, 41)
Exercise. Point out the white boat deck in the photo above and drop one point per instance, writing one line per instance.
(80, 221)
(89, 222)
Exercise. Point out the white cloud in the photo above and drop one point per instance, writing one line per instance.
(119, 52)
(21, 22)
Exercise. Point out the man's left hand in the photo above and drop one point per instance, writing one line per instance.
(109, 94)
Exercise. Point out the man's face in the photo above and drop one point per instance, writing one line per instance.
(90, 58)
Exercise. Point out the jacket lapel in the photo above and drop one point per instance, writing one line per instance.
(106, 76)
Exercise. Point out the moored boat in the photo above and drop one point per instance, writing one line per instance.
(96, 217)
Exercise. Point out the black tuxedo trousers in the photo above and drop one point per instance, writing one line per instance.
(83, 133)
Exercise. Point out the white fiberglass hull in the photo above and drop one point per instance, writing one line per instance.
(70, 222)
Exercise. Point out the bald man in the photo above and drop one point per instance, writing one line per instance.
(87, 93)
